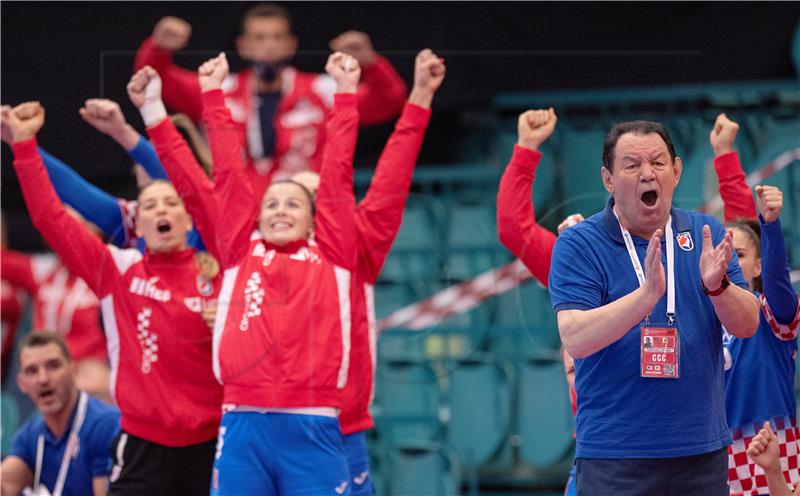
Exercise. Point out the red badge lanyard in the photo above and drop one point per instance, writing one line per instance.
(637, 266)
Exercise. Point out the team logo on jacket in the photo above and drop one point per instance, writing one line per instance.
(685, 241)
(148, 339)
(204, 286)
(148, 289)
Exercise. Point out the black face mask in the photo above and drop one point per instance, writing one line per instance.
(268, 71)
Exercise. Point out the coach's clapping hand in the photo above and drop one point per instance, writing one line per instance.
(25, 120)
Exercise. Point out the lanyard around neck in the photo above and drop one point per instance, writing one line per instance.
(69, 450)
(637, 266)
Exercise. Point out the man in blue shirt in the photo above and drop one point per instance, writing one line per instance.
(651, 420)
(65, 450)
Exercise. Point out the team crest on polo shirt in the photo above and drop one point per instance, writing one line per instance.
(685, 241)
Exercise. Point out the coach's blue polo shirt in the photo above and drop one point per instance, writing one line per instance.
(620, 414)
(93, 459)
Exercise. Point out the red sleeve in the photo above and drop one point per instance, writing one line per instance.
(180, 89)
(735, 193)
(380, 213)
(195, 189)
(232, 188)
(335, 220)
(80, 250)
(516, 218)
(15, 267)
(381, 93)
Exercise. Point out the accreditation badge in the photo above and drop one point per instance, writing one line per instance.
(660, 352)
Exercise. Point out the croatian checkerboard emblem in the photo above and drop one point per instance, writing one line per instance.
(685, 241)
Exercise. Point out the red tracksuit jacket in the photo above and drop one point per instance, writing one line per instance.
(282, 335)
(159, 346)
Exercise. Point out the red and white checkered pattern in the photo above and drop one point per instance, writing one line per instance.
(745, 478)
(783, 332)
(128, 209)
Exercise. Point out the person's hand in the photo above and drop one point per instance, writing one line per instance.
(345, 70)
(714, 260)
(171, 33)
(5, 131)
(534, 127)
(209, 315)
(25, 120)
(764, 449)
(429, 71)
(355, 44)
(144, 87)
(144, 90)
(213, 72)
(655, 282)
(103, 115)
(106, 116)
(723, 134)
(569, 222)
(770, 203)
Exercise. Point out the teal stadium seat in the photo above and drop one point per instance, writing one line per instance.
(415, 252)
(472, 244)
(423, 470)
(545, 415)
(407, 398)
(528, 307)
(9, 419)
(581, 160)
(479, 395)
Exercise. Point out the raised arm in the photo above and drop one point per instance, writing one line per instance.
(94, 204)
(181, 90)
(516, 217)
(17, 269)
(106, 116)
(232, 189)
(380, 213)
(736, 195)
(781, 298)
(382, 91)
(335, 225)
(196, 190)
(765, 451)
(81, 251)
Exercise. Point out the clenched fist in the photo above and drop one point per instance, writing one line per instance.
(172, 33)
(213, 72)
(534, 127)
(345, 70)
(25, 120)
(770, 203)
(723, 135)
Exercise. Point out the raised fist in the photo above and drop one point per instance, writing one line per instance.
(429, 71)
(723, 135)
(355, 44)
(345, 70)
(213, 72)
(770, 203)
(764, 449)
(5, 131)
(25, 120)
(103, 115)
(144, 86)
(172, 33)
(534, 127)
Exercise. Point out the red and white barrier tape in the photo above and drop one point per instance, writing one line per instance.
(468, 295)
(755, 177)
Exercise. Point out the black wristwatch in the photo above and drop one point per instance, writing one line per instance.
(722, 287)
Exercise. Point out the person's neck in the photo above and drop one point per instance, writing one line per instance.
(57, 422)
(271, 87)
(641, 233)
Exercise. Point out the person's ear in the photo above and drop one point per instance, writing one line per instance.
(677, 167)
(608, 180)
